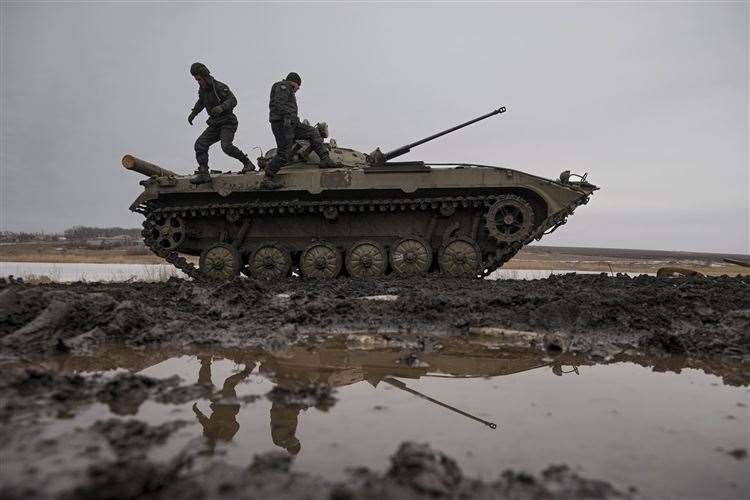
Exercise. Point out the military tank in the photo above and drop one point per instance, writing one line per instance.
(365, 218)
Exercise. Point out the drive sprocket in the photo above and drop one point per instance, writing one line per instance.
(510, 219)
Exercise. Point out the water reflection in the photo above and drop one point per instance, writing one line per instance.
(222, 425)
(305, 377)
(625, 419)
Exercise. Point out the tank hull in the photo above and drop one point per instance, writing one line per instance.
(493, 211)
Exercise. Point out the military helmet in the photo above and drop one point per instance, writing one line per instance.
(294, 77)
(199, 69)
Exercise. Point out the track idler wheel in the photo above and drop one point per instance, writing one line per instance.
(510, 219)
(460, 257)
(166, 231)
(366, 259)
(321, 260)
(270, 261)
(411, 256)
(220, 262)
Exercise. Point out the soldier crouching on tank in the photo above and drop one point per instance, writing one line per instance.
(286, 127)
(219, 102)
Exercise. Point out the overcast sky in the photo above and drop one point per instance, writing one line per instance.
(650, 100)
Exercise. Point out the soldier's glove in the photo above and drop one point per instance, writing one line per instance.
(216, 110)
(191, 117)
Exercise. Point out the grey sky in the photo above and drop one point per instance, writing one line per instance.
(651, 100)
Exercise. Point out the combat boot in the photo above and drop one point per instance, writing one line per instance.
(326, 162)
(248, 167)
(201, 175)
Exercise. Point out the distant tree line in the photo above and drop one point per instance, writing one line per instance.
(23, 236)
(75, 233)
(86, 232)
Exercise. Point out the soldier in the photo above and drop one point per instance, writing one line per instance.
(222, 425)
(218, 102)
(286, 127)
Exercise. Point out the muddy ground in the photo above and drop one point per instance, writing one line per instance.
(697, 322)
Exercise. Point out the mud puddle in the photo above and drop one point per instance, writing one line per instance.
(668, 431)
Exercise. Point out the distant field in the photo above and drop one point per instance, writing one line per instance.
(624, 260)
(531, 257)
(59, 252)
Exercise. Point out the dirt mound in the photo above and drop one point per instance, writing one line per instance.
(416, 471)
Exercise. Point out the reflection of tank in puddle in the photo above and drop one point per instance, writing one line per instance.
(303, 377)
(336, 366)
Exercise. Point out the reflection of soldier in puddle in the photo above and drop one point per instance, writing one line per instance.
(222, 425)
(288, 402)
(284, 426)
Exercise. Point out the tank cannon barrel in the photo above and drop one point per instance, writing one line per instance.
(400, 385)
(143, 167)
(378, 158)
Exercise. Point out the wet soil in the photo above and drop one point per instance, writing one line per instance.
(679, 323)
(702, 318)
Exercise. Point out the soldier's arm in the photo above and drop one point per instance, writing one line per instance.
(228, 101)
(199, 414)
(198, 107)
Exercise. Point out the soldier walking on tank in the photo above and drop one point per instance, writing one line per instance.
(286, 127)
(218, 101)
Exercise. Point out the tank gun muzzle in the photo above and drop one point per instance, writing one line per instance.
(143, 167)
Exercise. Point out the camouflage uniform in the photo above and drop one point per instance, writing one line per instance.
(286, 127)
(222, 125)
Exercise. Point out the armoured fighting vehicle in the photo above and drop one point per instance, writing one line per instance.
(367, 217)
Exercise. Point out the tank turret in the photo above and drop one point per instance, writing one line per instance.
(365, 218)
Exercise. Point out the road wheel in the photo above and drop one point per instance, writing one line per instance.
(411, 256)
(366, 259)
(321, 260)
(270, 261)
(510, 219)
(220, 261)
(460, 257)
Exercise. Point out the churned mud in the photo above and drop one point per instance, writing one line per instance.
(105, 386)
(704, 318)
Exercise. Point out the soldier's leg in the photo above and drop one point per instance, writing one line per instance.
(302, 131)
(204, 374)
(227, 139)
(283, 132)
(204, 141)
(209, 136)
